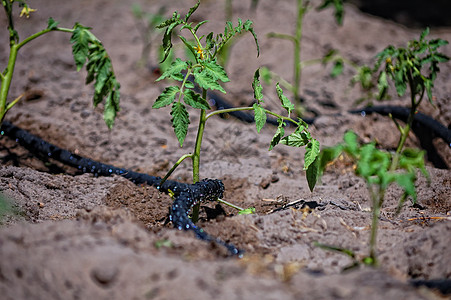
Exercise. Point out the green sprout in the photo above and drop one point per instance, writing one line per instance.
(209, 75)
(332, 56)
(86, 49)
(415, 69)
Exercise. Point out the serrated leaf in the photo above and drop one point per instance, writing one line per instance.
(111, 107)
(205, 81)
(166, 97)
(191, 11)
(311, 153)
(257, 87)
(286, 103)
(52, 24)
(296, 139)
(167, 38)
(400, 83)
(188, 45)
(215, 71)
(195, 100)
(175, 18)
(280, 132)
(80, 45)
(180, 121)
(175, 68)
(312, 174)
(259, 116)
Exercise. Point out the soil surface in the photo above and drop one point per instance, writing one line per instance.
(74, 236)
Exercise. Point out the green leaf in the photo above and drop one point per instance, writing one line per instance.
(259, 116)
(215, 71)
(351, 143)
(247, 211)
(339, 10)
(411, 159)
(188, 45)
(280, 132)
(180, 121)
(199, 24)
(166, 97)
(286, 103)
(175, 68)
(111, 107)
(382, 85)
(400, 82)
(52, 24)
(311, 153)
(167, 38)
(80, 45)
(407, 182)
(337, 69)
(312, 174)
(191, 11)
(195, 100)
(248, 27)
(86, 47)
(205, 81)
(424, 34)
(257, 87)
(296, 139)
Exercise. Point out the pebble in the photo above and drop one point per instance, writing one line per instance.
(104, 274)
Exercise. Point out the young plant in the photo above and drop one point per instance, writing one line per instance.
(379, 169)
(86, 48)
(303, 6)
(145, 23)
(208, 74)
(414, 68)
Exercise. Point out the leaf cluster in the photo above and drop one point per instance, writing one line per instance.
(374, 165)
(204, 71)
(339, 9)
(300, 137)
(88, 50)
(414, 67)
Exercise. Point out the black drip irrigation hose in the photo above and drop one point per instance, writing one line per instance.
(185, 195)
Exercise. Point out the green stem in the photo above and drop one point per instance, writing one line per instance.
(229, 110)
(7, 75)
(174, 167)
(6, 80)
(297, 50)
(406, 129)
(196, 155)
(377, 199)
(230, 204)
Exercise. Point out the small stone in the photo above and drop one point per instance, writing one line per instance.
(105, 274)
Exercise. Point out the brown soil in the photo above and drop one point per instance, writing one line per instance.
(78, 237)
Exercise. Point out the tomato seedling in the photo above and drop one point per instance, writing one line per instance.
(208, 75)
(413, 68)
(87, 50)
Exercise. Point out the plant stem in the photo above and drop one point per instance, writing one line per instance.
(406, 129)
(7, 75)
(297, 50)
(230, 204)
(377, 199)
(6, 80)
(196, 155)
(174, 167)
